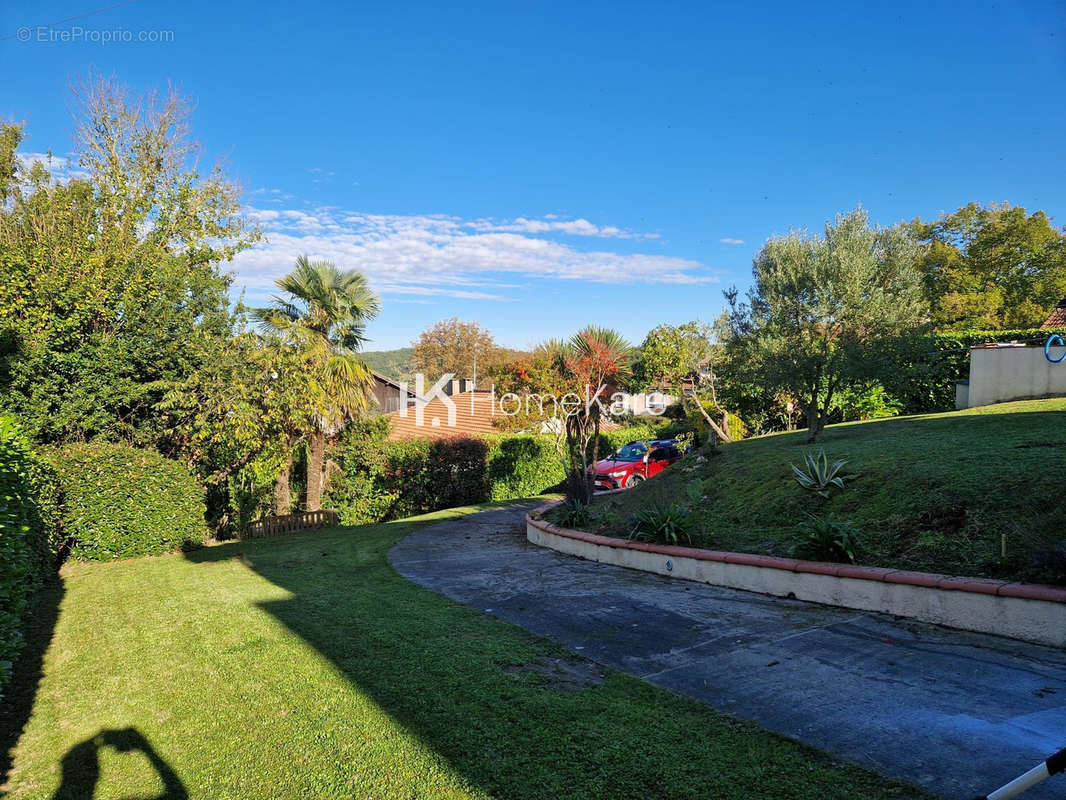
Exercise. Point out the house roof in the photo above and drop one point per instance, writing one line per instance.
(473, 417)
(385, 379)
(1057, 318)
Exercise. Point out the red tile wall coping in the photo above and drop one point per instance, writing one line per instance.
(1026, 591)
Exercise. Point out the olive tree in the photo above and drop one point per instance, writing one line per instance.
(816, 305)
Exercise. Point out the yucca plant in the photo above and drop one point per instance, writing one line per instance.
(820, 476)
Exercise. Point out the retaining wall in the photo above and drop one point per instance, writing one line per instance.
(1025, 611)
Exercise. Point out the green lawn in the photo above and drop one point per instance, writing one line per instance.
(306, 667)
(933, 493)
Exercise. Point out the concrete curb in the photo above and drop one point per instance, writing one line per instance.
(1026, 611)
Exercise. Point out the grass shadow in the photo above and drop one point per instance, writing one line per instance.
(478, 693)
(81, 765)
(18, 701)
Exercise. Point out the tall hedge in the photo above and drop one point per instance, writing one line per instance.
(920, 371)
(380, 480)
(26, 555)
(429, 474)
(120, 502)
(522, 466)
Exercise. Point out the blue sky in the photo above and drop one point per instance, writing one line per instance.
(540, 166)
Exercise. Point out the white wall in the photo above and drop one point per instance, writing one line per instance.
(999, 374)
(1031, 620)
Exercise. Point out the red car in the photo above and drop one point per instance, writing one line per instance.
(635, 463)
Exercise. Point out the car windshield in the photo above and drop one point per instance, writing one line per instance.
(631, 452)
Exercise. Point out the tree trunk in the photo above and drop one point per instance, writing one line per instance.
(714, 426)
(590, 476)
(282, 490)
(316, 451)
(815, 419)
(577, 474)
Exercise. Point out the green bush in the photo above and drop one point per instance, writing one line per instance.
(826, 539)
(26, 538)
(119, 502)
(429, 474)
(522, 466)
(358, 490)
(571, 514)
(664, 523)
(919, 372)
(381, 480)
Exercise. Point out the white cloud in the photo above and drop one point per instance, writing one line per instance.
(445, 256)
(27, 160)
(731, 241)
(62, 168)
(552, 224)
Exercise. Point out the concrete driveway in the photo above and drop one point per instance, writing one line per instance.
(958, 713)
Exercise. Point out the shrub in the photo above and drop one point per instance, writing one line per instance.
(358, 490)
(571, 514)
(696, 422)
(920, 372)
(825, 539)
(664, 524)
(26, 541)
(863, 403)
(522, 466)
(1048, 564)
(119, 502)
(426, 474)
(380, 480)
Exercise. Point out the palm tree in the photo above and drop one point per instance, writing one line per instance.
(323, 323)
(599, 359)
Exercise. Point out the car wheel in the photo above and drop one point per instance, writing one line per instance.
(634, 480)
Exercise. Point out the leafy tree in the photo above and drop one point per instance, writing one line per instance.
(816, 305)
(236, 419)
(321, 323)
(991, 268)
(566, 386)
(110, 277)
(451, 345)
(541, 380)
(681, 358)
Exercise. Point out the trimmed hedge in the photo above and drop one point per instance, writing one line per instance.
(381, 480)
(920, 372)
(120, 502)
(522, 466)
(428, 474)
(26, 554)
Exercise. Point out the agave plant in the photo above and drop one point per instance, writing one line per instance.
(820, 475)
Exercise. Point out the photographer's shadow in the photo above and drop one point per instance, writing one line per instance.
(81, 765)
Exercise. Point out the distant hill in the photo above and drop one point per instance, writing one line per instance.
(393, 364)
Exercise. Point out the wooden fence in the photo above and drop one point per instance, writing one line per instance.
(287, 523)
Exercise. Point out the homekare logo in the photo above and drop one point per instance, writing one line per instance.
(424, 398)
(535, 405)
